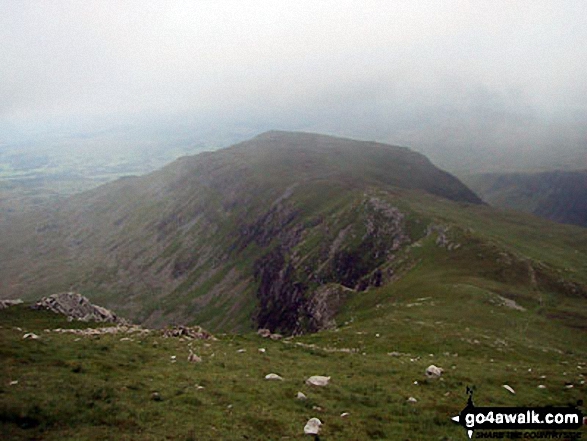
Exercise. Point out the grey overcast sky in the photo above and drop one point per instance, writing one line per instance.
(428, 74)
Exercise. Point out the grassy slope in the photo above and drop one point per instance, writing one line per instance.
(443, 309)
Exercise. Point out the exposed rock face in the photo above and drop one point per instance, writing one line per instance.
(302, 290)
(324, 305)
(77, 307)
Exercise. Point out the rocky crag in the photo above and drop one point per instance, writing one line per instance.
(77, 307)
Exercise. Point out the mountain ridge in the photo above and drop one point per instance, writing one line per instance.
(280, 231)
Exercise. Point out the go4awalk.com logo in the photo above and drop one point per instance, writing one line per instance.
(520, 422)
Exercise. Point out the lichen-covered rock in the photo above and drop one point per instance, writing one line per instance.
(434, 371)
(312, 427)
(318, 380)
(273, 377)
(77, 307)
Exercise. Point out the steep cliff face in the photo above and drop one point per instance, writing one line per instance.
(350, 251)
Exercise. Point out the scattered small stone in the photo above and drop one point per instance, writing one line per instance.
(394, 354)
(126, 339)
(240, 351)
(262, 350)
(541, 386)
(509, 389)
(344, 414)
(317, 408)
(569, 386)
(266, 333)
(412, 400)
(193, 358)
(301, 396)
(377, 335)
(156, 396)
(13, 383)
(92, 332)
(317, 380)
(263, 332)
(30, 335)
(273, 377)
(416, 382)
(312, 427)
(434, 371)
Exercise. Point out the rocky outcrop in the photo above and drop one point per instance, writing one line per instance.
(77, 307)
(301, 288)
(6, 303)
(189, 333)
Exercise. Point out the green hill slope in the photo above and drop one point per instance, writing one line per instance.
(281, 232)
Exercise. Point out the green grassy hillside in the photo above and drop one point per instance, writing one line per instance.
(394, 273)
(204, 239)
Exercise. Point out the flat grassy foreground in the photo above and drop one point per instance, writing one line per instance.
(142, 387)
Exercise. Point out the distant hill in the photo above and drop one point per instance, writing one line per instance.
(560, 196)
(283, 231)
